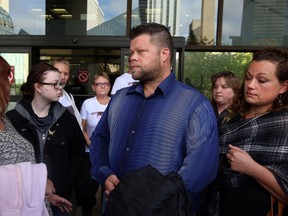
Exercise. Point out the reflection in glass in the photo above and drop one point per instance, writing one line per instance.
(200, 66)
(265, 23)
(115, 16)
(28, 18)
(20, 64)
(198, 22)
(255, 23)
(61, 17)
(245, 22)
(109, 17)
(164, 12)
(6, 23)
(232, 16)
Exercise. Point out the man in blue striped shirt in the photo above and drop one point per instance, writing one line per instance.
(160, 121)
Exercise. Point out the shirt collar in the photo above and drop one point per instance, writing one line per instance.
(164, 87)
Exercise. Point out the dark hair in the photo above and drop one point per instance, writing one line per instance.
(36, 75)
(230, 77)
(231, 80)
(280, 59)
(4, 85)
(160, 35)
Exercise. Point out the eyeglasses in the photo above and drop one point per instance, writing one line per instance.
(102, 84)
(55, 85)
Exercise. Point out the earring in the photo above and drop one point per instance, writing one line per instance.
(280, 100)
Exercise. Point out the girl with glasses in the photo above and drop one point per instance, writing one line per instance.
(53, 131)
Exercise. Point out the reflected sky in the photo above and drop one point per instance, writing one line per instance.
(34, 21)
(27, 19)
(112, 8)
(189, 10)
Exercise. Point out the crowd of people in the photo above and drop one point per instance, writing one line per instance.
(227, 156)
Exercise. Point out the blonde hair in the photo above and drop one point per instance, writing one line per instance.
(100, 74)
(61, 60)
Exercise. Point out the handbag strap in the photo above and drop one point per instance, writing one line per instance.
(280, 207)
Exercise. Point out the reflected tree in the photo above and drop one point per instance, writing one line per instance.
(192, 40)
(200, 66)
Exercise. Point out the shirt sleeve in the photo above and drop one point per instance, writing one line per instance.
(99, 151)
(116, 86)
(201, 163)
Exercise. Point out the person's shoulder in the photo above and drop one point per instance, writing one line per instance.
(124, 76)
(10, 111)
(11, 114)
(89, 100)
(189, 89)
(15, 117)
(121, 78)
(59, 110)
(280, 113)
(67, 117)
(194, 97)
(127, 74)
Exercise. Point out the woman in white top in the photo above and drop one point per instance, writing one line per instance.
(91, 112)
(93, 108)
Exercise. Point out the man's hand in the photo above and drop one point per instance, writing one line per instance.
(110, 184)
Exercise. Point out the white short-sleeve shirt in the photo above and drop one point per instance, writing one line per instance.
(125, 80)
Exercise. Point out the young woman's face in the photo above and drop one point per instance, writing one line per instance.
(50, 89)
(261, 85)
(222, 93)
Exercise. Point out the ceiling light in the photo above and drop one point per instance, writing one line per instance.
(66, 16)
(59, 10)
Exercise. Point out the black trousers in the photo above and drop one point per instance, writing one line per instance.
(252, 200)
(85, 186)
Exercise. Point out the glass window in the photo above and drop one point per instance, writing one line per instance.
(197, 21)
(200, 66)
(232, 19)
(90, 61)
(62, 17)
(19, 63)
(255, 23)
(185, 17)
(106, 17)
(28, 18)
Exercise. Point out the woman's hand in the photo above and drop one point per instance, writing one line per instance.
(50, 189)
(240, 160)
(62, 203)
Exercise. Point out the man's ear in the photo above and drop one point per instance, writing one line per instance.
(165, 54)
